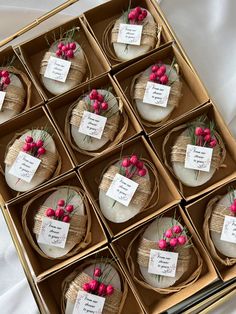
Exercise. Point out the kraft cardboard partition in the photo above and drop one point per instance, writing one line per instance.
(59, 107)
(219, 177)
(196, 212)
(193, 92)
(155, 302)
(39, 265)
(32, 52)
(91, 174)
(36, 118)
(97, 20)
(51, 293)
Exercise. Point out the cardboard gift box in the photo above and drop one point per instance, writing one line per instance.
(98, 18)
(155, 302)
(31, 52)
(91, 174)
(158, 137)
(36, 118)
(59, 107)
(193, 92)
(51, 297)
(40, 266)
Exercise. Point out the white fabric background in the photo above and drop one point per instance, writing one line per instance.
(206, 28)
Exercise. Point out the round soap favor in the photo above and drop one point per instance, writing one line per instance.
(162, 80)
(218, 228)
(166, 260)
(193, 152)
(146, 34)
(57, 222)
(68, 56)
(94, 122)
(98, 280)
(128, 186)
(15, 92)
(31, 158)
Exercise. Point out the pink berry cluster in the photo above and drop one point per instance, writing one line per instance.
(158, 74)
(95, 286)
(204, 137)
(4, 79)
(66, 51)
(133, 166)
(137, 15)
(172, 238)
(62, 212)
(98, 102)
(32, 147)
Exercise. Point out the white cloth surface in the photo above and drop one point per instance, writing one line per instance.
(206, 31)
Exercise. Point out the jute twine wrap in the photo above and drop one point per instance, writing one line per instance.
(137, 91)
(178, 151)
(213, 221)
(151, 36)
(17, 98)
(73, 283)
(79, 232)
(145, 193)
(74, 115)
(134, 269)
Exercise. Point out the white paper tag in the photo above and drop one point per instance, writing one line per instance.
(156, 94)
(122, 189)
(228, 233)
(25, 166)
(92, 124)
(57, 69)
(2, 97)
(198, 158)
(163, 263)
(88, 303)
(130, 34)
(53, 232)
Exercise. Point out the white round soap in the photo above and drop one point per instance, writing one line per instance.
(19, 185)
(127, 52)
(226, 248)
(56, 87)
(91, 143)
(51, 201)
(7, 114)
(118, 212)
(155, 232)
(112, 279)
(153, 113)
(190, 177)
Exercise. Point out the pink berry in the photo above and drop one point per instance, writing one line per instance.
(50, 212)
(66, 218)
(58, 53)
(102, 289)
(140, 17)
(173, 242)
(133, 159)
(142, 172)
(29, 139)
(164, 79)
(169, 233)
(207, 131)
(59, 212)
(162, 244)
(153, 77)
(64, 49)
(86, 287)
(207, 138)
(33, 145)
(160, 72)
(41, 151)
(199, 131)
(94, 285)
(110, 290)
(182, 240)
(144, 13)
(97, 272)
(93, 94)
(70, 53)
(213, 143)
(100, 97)
(69, 208)
(138, 10)
(163, 68)
(26, 147)
(177, 229)
(60, 45)
(233, 208)
(61, 203)
(72, 46)
(6, 80)
(155, 68)
(39, 143)
(139, 165)
(131, 16)
(126, 163)
(104, 106)
(5, 73)
(96, 105)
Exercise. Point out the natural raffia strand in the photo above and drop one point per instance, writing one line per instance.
(136, 274)
(214, 220)
(80, 234)
(73, 283)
